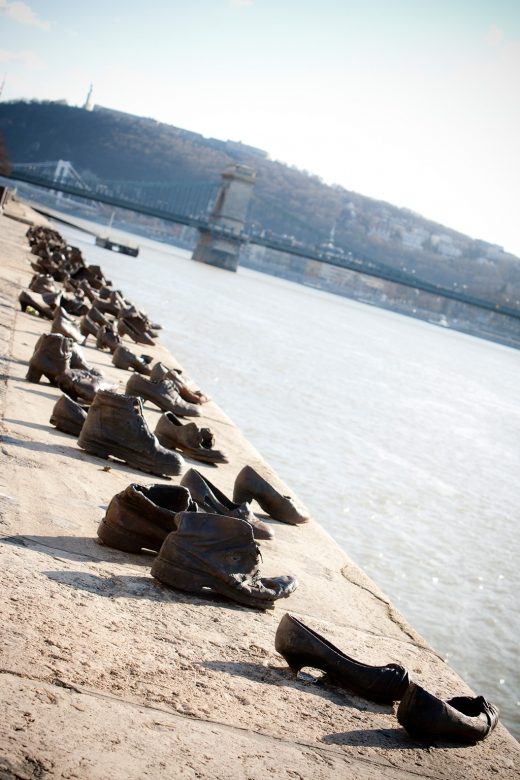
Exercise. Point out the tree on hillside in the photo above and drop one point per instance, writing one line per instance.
(5, 164)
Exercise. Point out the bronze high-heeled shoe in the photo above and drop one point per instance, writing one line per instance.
(301, 646)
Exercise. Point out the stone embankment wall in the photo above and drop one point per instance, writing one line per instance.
(107, 674)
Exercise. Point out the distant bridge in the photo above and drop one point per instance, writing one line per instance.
(155, 199)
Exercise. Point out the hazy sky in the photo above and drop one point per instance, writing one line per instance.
(416, 102)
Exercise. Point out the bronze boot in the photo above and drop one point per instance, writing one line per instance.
(51, 357)
(214, 553)
(115, 425)
(211, 499)
(61, 323)
(189, 438)
(163, 394)
(142, 517)
(68, 416)
(250, 485)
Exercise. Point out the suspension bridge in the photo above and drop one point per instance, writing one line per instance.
(190, 204)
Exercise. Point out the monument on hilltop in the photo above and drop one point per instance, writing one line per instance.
(219, 242)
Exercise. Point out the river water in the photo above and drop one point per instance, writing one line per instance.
(402, 438)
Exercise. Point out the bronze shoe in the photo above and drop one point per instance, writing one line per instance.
(160, 372)
(124, 358)
(134, 327)
(43, 283)
(214, 553)
(51, 357)
(82, 384)
(142, 517)
(301, 646)
(61, 323)
(211, 499)
(115, 425)
(163, 394)
(250, 485)
(95, 315)
(36, 302)
(464, 719)
(189, 438)
(87, 327)
(68, 416)
(107, 339)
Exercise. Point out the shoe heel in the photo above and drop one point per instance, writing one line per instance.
(33, 374)
(24, 306)
(113, 536)
(99, 453)
(177, 578)
(294, 662)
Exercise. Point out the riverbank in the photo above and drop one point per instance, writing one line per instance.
(107, 674)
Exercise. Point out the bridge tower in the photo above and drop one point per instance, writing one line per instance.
(219, 242)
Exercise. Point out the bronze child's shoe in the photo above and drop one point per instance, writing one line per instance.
(115, 425)
(195, 442)
(68, 416)
(464, 719)
(301, 646)
(124, 358)
(213, 553)
(213, 500)
(250, 485)
(162, 394)
(51, 357)
(142, 517)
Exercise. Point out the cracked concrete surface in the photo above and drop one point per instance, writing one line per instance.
(105, 673)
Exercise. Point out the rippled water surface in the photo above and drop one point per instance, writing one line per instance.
(402, 438)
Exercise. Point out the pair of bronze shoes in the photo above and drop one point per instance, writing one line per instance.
(198, 552)
(248, 485)
(462, 719)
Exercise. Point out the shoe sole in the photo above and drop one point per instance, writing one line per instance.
(127, 457)
(191, 582)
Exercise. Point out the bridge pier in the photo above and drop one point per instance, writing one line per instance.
(219, 242)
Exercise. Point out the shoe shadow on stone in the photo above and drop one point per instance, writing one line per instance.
(130, 586)
(76, 548)
(308, 682)
(35, 426)
(390, 739)
(39, 446)
(51, 396)
(112, 587)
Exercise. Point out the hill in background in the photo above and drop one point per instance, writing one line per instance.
(110, 145)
